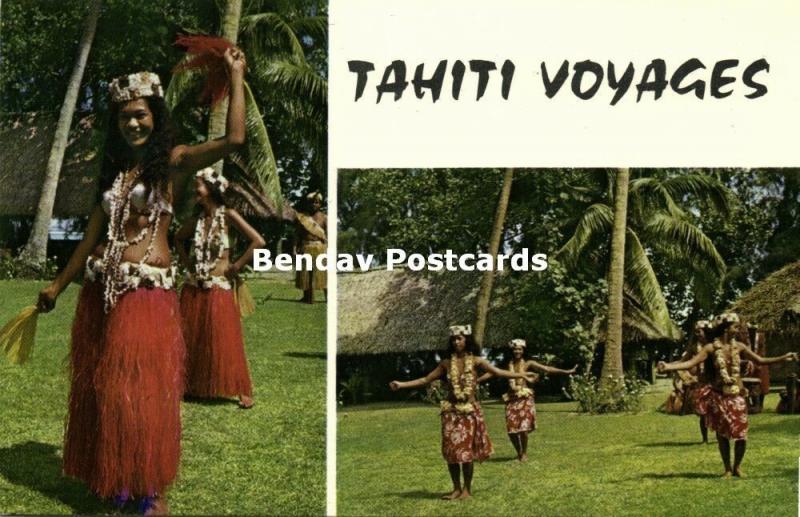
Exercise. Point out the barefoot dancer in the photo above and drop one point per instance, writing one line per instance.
(696, 377)
(520, 406)
(123, 429)
(464, 437)
(722, 402)
(216, 365)
(311, 239)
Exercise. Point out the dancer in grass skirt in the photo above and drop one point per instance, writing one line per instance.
(127, 354)
(216, 365)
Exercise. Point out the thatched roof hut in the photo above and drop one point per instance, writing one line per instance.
(25, 141)
(384, 311)
(774, 305)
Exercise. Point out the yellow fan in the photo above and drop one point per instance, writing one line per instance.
(16, 338)
(244, 298)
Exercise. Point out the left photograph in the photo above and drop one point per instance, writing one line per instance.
(149, 149)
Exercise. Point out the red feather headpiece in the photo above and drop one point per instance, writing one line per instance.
(207, 54)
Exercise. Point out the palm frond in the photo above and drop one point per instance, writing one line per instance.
(268, 32)
(688, 239)
(256, 159)
(299, 80)
(315, 27)
(596, 219)
(702, 186)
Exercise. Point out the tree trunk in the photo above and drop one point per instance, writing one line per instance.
(35, 251)
(612, 372)
(485, 292)
(229, 29)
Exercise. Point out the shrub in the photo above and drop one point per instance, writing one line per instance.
(593, 398)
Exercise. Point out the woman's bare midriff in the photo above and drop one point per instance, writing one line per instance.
(160, 257)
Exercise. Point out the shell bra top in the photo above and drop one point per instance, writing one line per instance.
(140, 200)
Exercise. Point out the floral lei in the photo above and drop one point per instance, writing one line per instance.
(462, 390)
(205, 242)
(119, 214)
(730, 380)
(519, 387)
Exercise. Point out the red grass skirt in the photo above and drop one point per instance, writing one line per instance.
(464, 437)
(724, 414)
(138, 382)
(216, 365)
(520, 415)
(80, 435)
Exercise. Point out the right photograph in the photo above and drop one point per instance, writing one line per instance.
(568, 341)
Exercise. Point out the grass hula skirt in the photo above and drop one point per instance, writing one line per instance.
(18, 335)
(216, 365)
(130, 387)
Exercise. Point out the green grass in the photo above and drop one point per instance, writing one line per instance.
(270, 459)
(630, 464)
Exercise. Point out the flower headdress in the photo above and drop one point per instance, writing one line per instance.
(133, 86)
(461, 330)
(517, 342)
(314, 195)
(209, 175)
(703, 324)
(727, 317)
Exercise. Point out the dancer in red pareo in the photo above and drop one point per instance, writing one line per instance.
(464, 436)
(216, 365)
(695, 384)
(519, 400)
(127, 353)
(724, 407)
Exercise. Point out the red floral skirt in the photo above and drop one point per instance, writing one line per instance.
(86, 347)
(724, 414)
(216, 365)
(464, 437)
(520, 415)
(138, 386)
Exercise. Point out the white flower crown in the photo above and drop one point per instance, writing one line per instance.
(209, 175)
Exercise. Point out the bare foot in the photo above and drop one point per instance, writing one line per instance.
(455, 494)
(523, 458)
(245, 402)
(465, 494)
(154, 506)
(727, 475)
(738, 472)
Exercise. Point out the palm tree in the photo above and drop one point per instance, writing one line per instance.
(273, 43)
(35, 251)
(485, 292)
(656, 224)
(612, 361)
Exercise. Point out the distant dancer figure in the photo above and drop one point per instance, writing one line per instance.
(520, 405)
(311, 239)
(464, 436)
(216, 365)
(724, 406)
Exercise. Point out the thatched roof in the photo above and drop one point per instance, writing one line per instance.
(384, 311)
(774, 302)
(25, 141)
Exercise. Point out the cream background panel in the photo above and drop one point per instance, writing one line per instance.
(531, 130)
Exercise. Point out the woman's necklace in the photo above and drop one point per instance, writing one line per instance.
(463, 385)
(204, 243)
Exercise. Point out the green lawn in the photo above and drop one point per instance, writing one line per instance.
(270, 459)
(634, 464)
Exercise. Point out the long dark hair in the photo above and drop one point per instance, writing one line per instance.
(117, 155)
(470, 346)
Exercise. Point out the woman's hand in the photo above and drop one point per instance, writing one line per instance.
(572, 370)
(791, 357)
(661, 366)
(235, 60)
(531, 377)
(47, 298)
(394, 385)
(231, 272)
